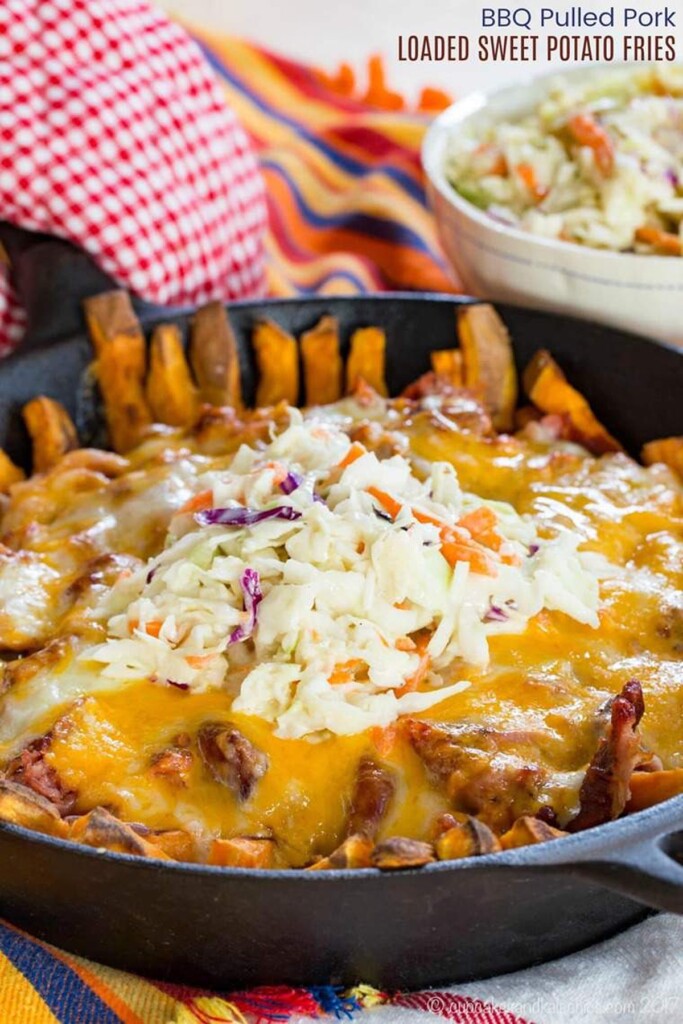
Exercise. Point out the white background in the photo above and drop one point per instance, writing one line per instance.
(325, 31)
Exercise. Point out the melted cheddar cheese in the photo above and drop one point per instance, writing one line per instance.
(527, 725)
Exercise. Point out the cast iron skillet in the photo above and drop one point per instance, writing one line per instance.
(448, 922)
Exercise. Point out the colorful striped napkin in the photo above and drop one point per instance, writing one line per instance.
(344, 185)
(42, 985)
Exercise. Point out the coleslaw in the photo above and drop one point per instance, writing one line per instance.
(598, 164)
(333, 591)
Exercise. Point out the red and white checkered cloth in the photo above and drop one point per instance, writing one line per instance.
(115, 135)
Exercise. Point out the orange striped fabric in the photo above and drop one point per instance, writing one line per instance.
(345, 188)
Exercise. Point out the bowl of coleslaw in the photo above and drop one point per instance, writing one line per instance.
(566, 194)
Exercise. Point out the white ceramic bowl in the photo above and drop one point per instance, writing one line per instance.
(638, 293)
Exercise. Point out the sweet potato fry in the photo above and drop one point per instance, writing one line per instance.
(488, 365)
(650, 788)
(367, 360)
(109, 316)
(398, 852)
(448, 363)
(277, 360)
(120, 370)
(242, 853)
(102, 830)
(551, 392)
(175, 843)
(9, 473)
(214, 357)
(354, 852)
(52, 431)
(668, 450)
(19, 805)
(467, 837)
(527, 831)
(171, 393)
(120, 366)
(322, 362)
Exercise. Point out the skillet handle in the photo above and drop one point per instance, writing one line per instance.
(649, 871)
(51, 277)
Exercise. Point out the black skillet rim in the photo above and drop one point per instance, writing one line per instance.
(633, 829)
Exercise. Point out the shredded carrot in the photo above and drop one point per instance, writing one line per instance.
(491, 539)
(199, 502)
(454, 548)
(480, 520)
(404, 643)
(418, 676)
(198, 660)
(460, 551)
(498, 165)
(528, 176)
(154, 628)
(279, 471)
(481, 524)
(355, 452)
(343, 672)
(388, 503)
(424, 517)
(664, 241)
(587, 132)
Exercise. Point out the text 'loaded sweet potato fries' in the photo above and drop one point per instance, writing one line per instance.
(379, 633)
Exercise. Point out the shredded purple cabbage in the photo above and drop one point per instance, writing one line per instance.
(671, 176)
(496, 614)
(250, 583)
(178, 686)
(244, 516)
(151, 574)
(291, 482)
(534, 549)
